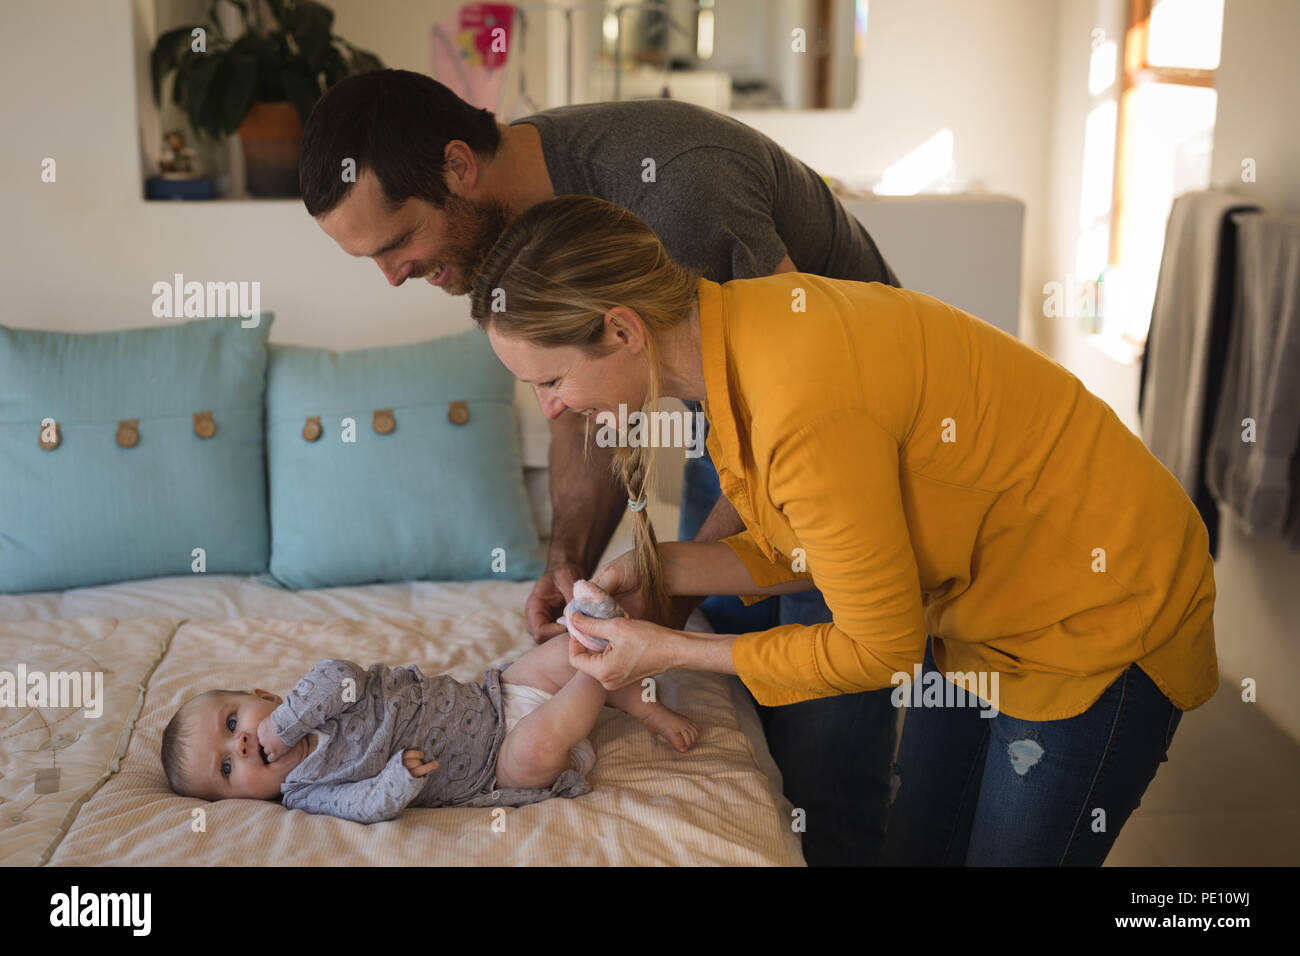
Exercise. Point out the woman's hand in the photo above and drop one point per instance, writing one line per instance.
(637, 649)
(620, 580)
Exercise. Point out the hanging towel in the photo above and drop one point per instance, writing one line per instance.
(1182, 368)
(1256, 479)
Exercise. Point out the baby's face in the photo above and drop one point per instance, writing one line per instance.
(225, 757)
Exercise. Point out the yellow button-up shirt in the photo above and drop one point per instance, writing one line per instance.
(934, 474)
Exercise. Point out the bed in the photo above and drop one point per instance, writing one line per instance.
(78, 789)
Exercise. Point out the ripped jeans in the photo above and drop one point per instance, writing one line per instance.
(1000, 791)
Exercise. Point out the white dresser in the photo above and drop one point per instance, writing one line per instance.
(962, 248)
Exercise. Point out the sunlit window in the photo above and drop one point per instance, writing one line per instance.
(1185, 33)
(1165, 131)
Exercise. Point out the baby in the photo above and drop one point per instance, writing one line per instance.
(362, 744)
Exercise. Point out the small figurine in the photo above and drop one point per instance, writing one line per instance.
(178, 161)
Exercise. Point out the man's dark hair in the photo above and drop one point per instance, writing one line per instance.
(395, 123)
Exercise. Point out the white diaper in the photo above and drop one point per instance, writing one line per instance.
(520, 700)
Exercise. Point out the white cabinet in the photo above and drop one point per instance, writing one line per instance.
(963, 249)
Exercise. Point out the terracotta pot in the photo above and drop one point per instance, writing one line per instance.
(271, 135)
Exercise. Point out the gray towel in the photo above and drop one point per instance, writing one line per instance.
(1254, 480)
(1173, 401)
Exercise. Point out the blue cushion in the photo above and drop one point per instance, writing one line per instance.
(430, 499)
(90, 511)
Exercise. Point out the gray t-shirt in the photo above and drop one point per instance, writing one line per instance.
(725, 199)
(368, 717)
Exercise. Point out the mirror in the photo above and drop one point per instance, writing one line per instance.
(722, 54)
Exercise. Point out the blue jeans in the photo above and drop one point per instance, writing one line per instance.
(1001, 791)
(834, 753)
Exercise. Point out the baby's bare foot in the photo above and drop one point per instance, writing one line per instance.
(665, 722)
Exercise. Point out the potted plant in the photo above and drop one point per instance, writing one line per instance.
(262, 84)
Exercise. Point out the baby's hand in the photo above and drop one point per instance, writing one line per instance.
(413, 760)
(270, 742)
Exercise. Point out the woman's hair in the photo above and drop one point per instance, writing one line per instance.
(552, 276)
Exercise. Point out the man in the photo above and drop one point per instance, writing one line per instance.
(436, 180)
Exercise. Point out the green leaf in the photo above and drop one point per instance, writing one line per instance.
(237, 98)
(203, 82)
(333, 65)
(179, 84)
(254, 45)
(181, 93)
(198, 84)
(303, 92)
(277, 9)
(317, 10)
(165, 56)
(209, 110)
(364, 62)
(311, 29)
(268, 65)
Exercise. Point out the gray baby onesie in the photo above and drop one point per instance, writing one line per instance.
(371, 716)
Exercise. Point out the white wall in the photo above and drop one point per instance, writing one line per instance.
(1259, 102)
(1259, 88)
(1061, 338)
(83, 253)
(983, 70)
(1258, 84)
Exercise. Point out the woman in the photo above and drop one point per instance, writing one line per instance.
(930, 474)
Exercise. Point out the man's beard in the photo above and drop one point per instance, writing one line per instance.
(473, 227)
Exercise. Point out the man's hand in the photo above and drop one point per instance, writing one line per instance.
(587, 505)
(413, 761)
(553, 590)
(266, 736)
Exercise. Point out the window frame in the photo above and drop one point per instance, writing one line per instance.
(1136, 72)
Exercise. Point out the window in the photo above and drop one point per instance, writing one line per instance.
(1164, 136)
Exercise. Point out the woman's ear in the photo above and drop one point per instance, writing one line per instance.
(624, 327)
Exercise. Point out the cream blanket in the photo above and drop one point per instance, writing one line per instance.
(651, 806)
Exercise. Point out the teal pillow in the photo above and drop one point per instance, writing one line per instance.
(438, 496)
(98, 506)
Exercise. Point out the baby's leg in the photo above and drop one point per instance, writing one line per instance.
(537, 750)
(659, 719)
(547, 668)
